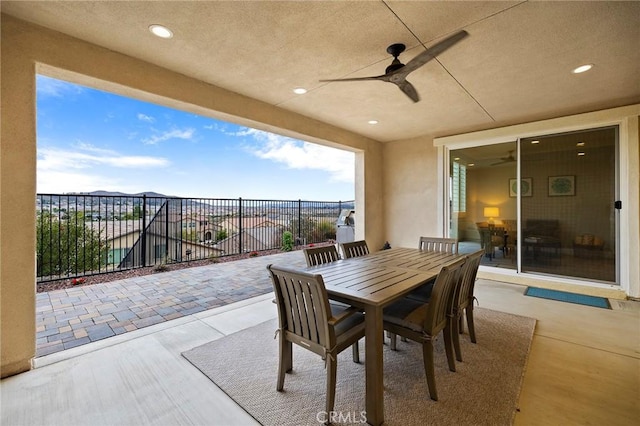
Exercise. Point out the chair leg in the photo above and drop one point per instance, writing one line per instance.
(472, 328)
(331, 384)
(460, 324)
(392, 341)
(427, 354)
(455, 334)
(286, 361)
(448, 345)
(356, 353)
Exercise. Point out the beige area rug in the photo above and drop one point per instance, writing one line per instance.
(483, 391)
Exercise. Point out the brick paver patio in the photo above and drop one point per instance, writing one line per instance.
(76, 316)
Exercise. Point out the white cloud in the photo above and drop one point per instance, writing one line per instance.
(186, 134)
(46, 86)
(147, 118)
(296, 154)
(86, 168)
(58, 182)
(87, 156)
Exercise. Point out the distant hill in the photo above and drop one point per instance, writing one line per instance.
(122, 194)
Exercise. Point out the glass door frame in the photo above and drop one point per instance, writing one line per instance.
(621, 145)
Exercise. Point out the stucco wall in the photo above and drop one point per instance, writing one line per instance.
(411, 191)
(17, 209)
(28, 48)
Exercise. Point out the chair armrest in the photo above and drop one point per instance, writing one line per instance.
(342, 315)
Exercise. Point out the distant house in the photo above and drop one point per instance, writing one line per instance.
(165, 238)
(234, 224)
(198, 227)
(252, 239)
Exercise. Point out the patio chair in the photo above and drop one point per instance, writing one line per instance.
(306, 318)
(463, 301)
(423, 322)
(446, 245)
(443, 245)
(354, 249)
(320, 255)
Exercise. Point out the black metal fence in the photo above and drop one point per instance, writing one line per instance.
(80, 235)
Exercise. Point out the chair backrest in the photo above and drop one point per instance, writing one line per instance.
(303, 308)
(354, 249)
(445, 245)
(320, 255)
(464, 293)
(442, 297)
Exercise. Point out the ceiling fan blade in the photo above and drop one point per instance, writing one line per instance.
(431, 53)
(378, 77)
(409, 90)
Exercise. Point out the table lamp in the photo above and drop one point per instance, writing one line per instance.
(491, 212)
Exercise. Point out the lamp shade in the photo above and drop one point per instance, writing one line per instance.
(491, 212)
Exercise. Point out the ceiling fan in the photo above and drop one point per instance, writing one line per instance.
(508, 159)
(397, 72)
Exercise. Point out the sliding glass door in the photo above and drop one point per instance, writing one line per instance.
(569, 220)
(483, 213)
(543, 205)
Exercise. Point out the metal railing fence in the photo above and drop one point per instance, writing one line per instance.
(80, 235)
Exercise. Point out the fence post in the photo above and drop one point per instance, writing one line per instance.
(300, 220)
(143, 234)
(166, 231)
(240, 225)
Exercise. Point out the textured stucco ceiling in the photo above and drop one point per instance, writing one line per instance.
(514, 67)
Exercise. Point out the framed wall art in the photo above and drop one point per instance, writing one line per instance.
(562, 186)
(526, 187)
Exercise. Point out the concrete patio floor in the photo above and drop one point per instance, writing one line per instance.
(583, 368)
(77, 316)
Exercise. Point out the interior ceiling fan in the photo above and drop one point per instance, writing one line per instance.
(397, 72)
(508, 159)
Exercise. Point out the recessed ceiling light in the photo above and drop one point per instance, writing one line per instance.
(535, 142)
(580, 154)
(160, 31)
(372, 121)
(299, 90)
(580, 144)
(456, 159)
(582, 68)
(471, 164)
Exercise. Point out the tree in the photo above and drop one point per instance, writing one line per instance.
(312, 230)
(221, 235)
(68, 246)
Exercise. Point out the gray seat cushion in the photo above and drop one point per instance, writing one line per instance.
(407, 313)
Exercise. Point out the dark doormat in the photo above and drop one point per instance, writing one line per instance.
(563, 296)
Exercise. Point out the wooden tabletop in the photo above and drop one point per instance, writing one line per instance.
(366, 282)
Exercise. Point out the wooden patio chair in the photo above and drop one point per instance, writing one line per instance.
(445, 245)
(423, 322)
(354, 249)
(463, 301)
(442, 245)
(306, 318)
(320, 255)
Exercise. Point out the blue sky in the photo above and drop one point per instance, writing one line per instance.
(91, 140)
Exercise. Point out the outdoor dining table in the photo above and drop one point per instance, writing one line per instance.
(372, 282)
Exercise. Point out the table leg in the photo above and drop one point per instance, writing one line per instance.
(374, 364)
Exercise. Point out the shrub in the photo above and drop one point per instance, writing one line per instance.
(287, 241)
